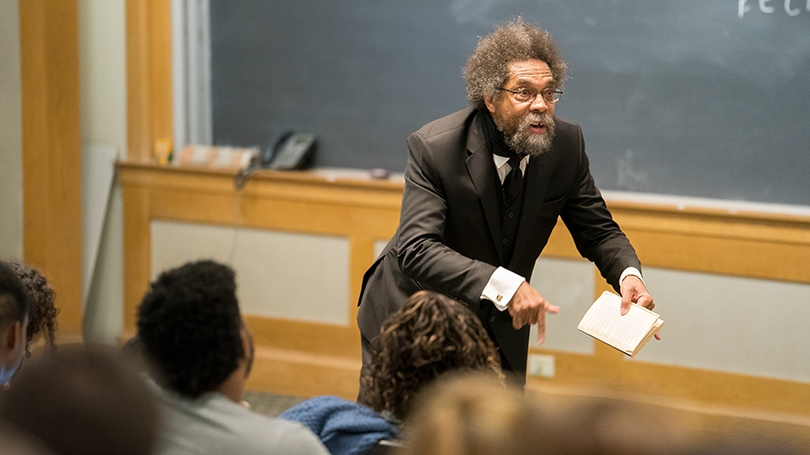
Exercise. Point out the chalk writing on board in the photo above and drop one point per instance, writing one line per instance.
(791, 7)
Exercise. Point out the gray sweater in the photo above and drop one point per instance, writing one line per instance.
(213, 424)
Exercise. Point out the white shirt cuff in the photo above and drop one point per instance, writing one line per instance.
(501, 287)
(631, 271)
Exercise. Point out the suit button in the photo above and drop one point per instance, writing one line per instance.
(492, 319)
(505, 241)
(511, 214)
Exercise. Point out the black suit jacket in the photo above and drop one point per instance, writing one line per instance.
(449, 236)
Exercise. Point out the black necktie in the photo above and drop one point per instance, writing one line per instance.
(513, 183)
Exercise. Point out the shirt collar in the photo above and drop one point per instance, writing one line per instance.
(500, 161)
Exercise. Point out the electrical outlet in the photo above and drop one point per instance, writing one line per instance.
(541, 365)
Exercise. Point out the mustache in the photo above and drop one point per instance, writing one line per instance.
(530, 144)
(535, 119)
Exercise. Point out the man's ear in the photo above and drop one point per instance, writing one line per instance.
(246, 344)
(490, 102)
(248, 348)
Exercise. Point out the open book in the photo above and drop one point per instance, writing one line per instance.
(628, 333)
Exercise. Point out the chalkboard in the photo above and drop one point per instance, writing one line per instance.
(689, 97)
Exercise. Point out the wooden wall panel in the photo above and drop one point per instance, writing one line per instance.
(149, 76)
(52, 213)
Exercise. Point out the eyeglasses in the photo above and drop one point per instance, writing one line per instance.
(525, 95)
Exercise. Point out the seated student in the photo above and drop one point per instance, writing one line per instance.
(431, 335)
(13, 323)
(191, 331)
(41, 312)
(82, 399)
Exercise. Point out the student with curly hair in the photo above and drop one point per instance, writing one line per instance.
(430, 336)
(191, 332)
(42, 311)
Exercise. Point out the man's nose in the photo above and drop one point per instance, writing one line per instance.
(539, 104)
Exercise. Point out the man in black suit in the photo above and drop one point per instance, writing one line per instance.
(483, 189)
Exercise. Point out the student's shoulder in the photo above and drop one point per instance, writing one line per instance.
(284, 437)
(295, 438)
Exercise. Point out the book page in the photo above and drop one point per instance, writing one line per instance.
(658, 325)
(604, 322)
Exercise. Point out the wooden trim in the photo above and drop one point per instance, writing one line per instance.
(767, 246)
(303, 374)
(137, 255)
(301, 336)
(149, 76)
(642, 381)
(52, 211)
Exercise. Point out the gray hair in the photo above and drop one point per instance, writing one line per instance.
(488, 67)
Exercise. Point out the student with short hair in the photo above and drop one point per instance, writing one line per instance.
(191, 331)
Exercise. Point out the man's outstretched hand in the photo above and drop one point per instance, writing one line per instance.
(529, 307)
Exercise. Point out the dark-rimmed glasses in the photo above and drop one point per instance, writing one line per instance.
(525, 95)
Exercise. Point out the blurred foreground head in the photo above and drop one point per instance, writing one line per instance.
(474, 415)
(82, 399)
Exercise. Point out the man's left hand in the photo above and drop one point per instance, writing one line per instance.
(634, 291)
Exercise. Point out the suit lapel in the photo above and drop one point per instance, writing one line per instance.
(482, 171)
(538, 175)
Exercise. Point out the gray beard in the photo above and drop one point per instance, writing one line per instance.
(523, 142)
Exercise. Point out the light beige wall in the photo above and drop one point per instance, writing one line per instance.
(102, 54)
(11, 212)
(279, 274)
(725, 323)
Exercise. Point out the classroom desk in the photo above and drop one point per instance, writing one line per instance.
(311, 358)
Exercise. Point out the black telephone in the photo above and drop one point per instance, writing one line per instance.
(289, 151)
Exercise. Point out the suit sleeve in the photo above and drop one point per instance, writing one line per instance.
(422, 253)
(596, 235)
